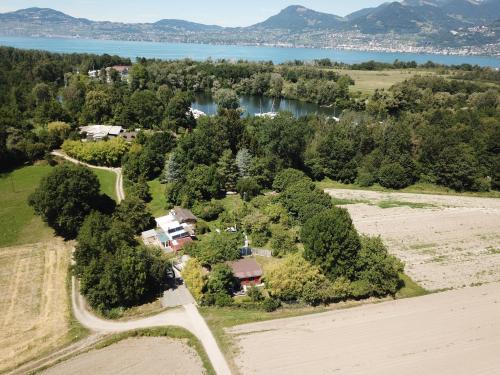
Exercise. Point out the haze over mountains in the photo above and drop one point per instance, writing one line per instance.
(469, 26)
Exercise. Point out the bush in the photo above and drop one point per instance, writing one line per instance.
(393, 176)
(208, 211)
(286, 280)
(282, 243)
(303, 200)
(221, 280)
(286, 178)
(107, 153)
(259, 239)
(271, 304)
(194, 277)
(254, 294)
(248, 188)
(140, 190)
(202, 227)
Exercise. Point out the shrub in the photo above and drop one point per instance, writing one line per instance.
(248, 188)
(194, 277)
(107, 153)
(208, 211)
(271, 304)
(254, 294)
(221, 280)
(393, 176)
(202, 227)
(282, 243)
(286, 178)
(286, 280)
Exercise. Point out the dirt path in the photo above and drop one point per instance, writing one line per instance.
(148, 355)
(455, 333)
(445, 241)
(186, 317)
(120, 192)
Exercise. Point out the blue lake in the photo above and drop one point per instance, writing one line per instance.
(204, 51)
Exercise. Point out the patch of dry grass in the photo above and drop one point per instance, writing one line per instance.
(34, 303)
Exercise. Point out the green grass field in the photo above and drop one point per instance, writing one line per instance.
(158, 204)
(107, 179)
(367, 81)
(18, 222)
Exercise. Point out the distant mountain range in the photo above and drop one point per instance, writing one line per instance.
(457, 26)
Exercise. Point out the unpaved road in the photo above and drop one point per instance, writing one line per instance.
(453, 241)
(120, 192)
(186, 317)
(148, 355)
(450, 333)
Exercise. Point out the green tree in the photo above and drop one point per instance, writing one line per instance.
(332, 243)
(217, 248)
(134, 212)
(286, 178)
(221, 280)
(248, 188)
(178, 111)
(226, 99)
(244, 162)
(65, 197)
(286, 280)
(377, 269)
(228, 170)
(194, 277)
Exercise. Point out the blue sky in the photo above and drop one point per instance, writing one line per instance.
(220, 12)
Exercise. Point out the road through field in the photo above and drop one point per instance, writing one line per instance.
(120, 192)
(455, 332)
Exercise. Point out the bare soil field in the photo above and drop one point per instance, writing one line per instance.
(34, 303)
(150, 355)
(455, 332)
(445, 241)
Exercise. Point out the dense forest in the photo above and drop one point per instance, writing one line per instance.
(435, 130)
(443, 131)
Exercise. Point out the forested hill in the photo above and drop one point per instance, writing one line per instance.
(439, 23)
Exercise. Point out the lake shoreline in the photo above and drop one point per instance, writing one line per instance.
(276, 54)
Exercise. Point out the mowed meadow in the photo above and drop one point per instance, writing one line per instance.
(35, 314)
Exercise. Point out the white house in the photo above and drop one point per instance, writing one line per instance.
(173, 231)
(98, 132)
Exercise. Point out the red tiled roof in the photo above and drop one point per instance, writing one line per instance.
(245, 268)
(179, 243)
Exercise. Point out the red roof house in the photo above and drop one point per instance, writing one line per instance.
(247, 271)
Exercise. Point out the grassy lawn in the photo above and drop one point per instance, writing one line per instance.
(18, 222)
(107, 179)
(418, 188)
(367, 81)
(410, 288)
(159, 203)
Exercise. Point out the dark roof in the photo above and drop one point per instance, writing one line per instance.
(245, 268)
(183, 215)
